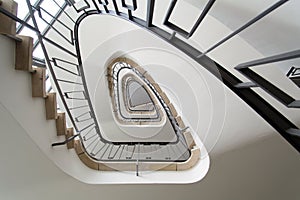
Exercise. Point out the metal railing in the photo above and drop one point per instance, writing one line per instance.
(71, 49)
(294, 75)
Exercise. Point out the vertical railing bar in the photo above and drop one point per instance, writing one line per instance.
(150, 11)
(112, 146)
(202, 16)
(137, 161)
(116, 152)
(105, 8)
(121, 152)
(104, 152)
(93, 149)
(100, 149)
(116, 7)
(170, 9)
(92, 141)
(129, 14)
(132, 152)
(167, 147)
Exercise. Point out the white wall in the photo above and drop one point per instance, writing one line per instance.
(267, 169)
(264, 169)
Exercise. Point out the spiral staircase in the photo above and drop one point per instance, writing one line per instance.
(59, 66)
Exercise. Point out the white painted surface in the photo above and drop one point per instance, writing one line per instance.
(267, 168)
(29, 113)
(208, 108)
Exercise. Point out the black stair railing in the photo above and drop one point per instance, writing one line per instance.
(294, 75)
(113, 7)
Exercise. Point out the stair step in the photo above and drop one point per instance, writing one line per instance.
(173, 110)
(24, 54)
(51, 106)
(38, 82)
(191, 162)
(189, 140)
(61, 128)
(7, 25)
(70, 133)
(180, 122)
(83, 157)
(78, 147)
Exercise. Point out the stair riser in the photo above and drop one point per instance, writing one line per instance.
(24, 54)
(38, 78)
(7, 25)
(51, 106)
(61, 128)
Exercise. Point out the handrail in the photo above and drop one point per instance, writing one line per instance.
(253, 99)
(66, 141)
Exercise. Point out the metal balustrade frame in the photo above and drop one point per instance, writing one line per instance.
(269, 113)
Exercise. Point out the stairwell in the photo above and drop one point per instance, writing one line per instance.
(38, 113)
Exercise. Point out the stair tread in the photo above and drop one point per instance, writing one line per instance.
(14, 37)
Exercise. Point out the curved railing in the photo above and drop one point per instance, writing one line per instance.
(69, 47)
(275, 118)
(85, 123)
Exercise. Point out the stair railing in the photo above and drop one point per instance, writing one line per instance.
(168, 32)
